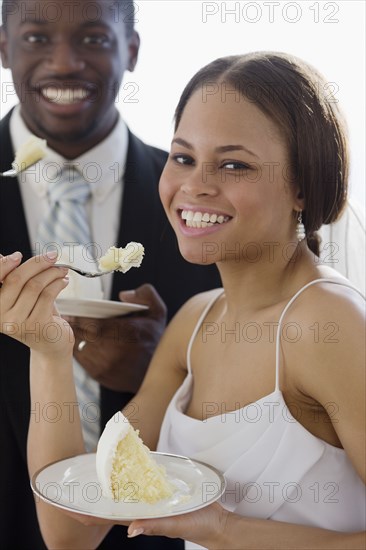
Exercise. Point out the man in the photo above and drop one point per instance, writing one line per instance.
(67, 61)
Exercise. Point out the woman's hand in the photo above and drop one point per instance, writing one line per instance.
(27, 296)
(203, 527)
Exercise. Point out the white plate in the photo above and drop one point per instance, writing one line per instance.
(96, 309)
(72, 484)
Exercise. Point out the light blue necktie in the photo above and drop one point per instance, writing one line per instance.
(65, 225)
(66, 221)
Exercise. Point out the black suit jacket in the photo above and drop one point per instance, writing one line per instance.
(142, 220)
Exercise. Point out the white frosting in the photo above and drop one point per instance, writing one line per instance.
(115, 430)
(122, 259)
(29, 153)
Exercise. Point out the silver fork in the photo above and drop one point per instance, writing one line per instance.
(89, 274)
(9, 173)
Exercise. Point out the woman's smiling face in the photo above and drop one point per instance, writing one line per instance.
(225, 184)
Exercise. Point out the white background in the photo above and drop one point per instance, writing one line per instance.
(180, 36)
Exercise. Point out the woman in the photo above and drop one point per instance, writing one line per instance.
(263, 378)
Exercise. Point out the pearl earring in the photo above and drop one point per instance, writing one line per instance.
(300, 228)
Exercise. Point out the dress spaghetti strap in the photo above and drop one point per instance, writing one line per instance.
(278, 335)
(206, 309)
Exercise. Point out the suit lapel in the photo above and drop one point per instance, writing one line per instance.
(142, 213)
(13, 227)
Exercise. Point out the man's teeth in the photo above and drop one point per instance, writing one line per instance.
(64, 96)
(197, 219)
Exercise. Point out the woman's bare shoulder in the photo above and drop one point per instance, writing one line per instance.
(195, 305)
(179, 331)
(185, 320)
(323, 339)
(333, 301)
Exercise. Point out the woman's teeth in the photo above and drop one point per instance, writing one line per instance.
(199, 219)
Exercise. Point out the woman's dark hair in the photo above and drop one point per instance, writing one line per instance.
(299, 100)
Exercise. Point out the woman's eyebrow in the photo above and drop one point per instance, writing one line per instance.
(220, 149)
(180, 141)
(238, 147)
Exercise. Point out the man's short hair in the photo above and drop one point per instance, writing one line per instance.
(124, 11)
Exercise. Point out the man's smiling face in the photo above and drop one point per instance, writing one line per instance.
(67, 64)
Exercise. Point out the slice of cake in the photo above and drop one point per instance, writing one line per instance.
(125, 467)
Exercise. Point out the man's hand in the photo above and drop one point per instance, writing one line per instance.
(118, 350)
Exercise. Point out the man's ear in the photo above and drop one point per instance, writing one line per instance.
(133, 49)
(4, 48)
